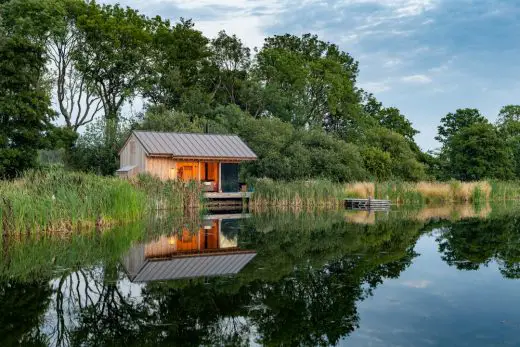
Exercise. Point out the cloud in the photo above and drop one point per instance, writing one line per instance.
(392, 62)
(416, 79)
(376, 87)
(419, 284)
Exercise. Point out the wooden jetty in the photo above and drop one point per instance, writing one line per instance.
(367, 204)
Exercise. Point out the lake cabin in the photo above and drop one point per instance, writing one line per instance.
(210, 159)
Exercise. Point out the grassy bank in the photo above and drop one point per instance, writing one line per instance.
(60, 201)
(323, 193)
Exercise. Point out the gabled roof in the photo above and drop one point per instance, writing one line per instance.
(183, 145)
(141, 269)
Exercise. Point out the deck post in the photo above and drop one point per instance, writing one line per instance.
(220, 177)
(199, 171)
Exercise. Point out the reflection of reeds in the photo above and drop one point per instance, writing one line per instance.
(361, 217)
(451, 212)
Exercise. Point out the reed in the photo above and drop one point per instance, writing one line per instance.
(321, 193)
(57, 200)
(296, 195)
(169, 195)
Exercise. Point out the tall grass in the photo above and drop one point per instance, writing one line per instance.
(296, 195)
(322, 193)
(169, 195)
(57, 200)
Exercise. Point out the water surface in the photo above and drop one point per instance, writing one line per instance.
(439, 277)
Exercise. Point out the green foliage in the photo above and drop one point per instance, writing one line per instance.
(478, 152)
(508, 120)
(452, 123)
(115, 53)
(287, 153)
(307, 81)
(179, 55)
(25, 112)
(95, 152)
(377, 162)
(404, 163)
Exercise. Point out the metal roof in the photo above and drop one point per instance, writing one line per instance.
(126, 168)
(185, 267)
(185, 145)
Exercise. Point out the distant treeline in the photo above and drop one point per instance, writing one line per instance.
(295, 100)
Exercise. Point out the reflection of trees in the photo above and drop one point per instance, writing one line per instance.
(301, 289)
(22, 308)
(469, 244)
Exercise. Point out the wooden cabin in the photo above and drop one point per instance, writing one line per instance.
(211, 159)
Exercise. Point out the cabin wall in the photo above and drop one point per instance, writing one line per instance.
(164, 168)
(133, 153)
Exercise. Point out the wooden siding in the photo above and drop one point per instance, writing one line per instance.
(164, 168)
(133, 153)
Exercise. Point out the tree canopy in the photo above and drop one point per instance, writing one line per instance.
(99, 60)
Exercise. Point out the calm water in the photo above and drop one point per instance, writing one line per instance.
(437, 277)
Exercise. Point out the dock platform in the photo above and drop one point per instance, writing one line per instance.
(367, 204)
(234, 195)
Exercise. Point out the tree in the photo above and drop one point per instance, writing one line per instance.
(228, 70)
(25, 113)
(477, 152)
(308, 82)
(391, 118)
(452, 123)
(92, 152)
(404, 163)
(508, 123)
(508, 120)
(78, 102)
(180, 53)
(114, 56)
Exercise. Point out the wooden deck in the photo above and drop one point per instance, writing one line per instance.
(234, 195)
(367, 204)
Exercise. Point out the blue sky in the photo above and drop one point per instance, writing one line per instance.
(426, 57)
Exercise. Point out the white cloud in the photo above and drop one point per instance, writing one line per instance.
(420, 284)
(402, 8)
(392, 62)
(417, 79)
(376, 87)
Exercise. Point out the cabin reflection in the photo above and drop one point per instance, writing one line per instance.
(211, 251)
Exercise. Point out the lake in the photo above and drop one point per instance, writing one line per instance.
(444, 276)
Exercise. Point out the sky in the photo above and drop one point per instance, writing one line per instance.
(425, 57)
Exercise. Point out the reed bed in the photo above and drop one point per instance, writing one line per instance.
(296, 195)
(299, 195)
(57, 200)
(169, 195)
(433, 192)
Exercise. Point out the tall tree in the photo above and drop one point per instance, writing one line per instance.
(452, 123)
(78, 102)
(478, 152)
(25, 113)
(308, 82)
(180, 53)
(115, 55)
(508, 120)
(230, 62)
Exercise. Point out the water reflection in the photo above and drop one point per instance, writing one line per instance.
(309, 280)
(211, 251)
